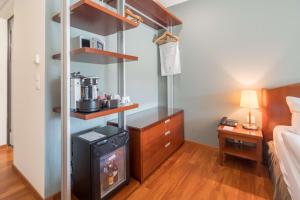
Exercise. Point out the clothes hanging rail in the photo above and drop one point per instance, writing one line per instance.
(145, 16)
(170, 79)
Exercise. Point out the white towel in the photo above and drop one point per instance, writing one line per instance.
(170, 59)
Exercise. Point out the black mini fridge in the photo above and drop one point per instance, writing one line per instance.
(100, 162)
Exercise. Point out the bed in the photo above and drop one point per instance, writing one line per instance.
(282, 160)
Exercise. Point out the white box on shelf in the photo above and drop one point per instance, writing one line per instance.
(97, 44)
(80, 42)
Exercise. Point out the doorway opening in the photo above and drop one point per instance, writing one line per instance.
(10, 23)
(6, 51)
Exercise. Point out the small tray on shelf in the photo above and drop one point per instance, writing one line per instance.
(96, 56)
(101, 113)
(93, 17)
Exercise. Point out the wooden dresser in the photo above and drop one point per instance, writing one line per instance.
(154, 135)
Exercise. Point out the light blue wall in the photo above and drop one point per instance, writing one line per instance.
(142, 84)
(231, 45)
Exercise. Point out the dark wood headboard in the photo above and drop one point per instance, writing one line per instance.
(275, 110)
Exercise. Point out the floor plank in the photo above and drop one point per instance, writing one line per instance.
(125, 192)
(193, 172)
(12, 187)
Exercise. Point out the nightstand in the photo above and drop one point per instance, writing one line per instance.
(241, 143)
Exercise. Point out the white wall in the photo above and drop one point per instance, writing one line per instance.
(28, 110)
(3, 81)
(231, 45)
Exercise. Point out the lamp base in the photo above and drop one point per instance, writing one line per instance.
(250, 126)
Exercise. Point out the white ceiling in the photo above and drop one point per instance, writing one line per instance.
(6, 8)
(169, 3)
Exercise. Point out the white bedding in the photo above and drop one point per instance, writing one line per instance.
(287, 147)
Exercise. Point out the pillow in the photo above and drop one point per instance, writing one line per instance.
(294, 105)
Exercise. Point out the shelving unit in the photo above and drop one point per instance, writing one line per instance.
(154, 10)
(95, 18)
(95, 56)
(101, 113)
(92, 17)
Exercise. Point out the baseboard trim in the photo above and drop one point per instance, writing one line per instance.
(57, 196)
(54, 197)
(27, 183)
(204, 145)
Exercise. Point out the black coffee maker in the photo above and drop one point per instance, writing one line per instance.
(89, 95)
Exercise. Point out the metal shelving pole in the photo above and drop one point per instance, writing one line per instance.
(170, 88)
(121, 66)
(170, 84)
(65, 102)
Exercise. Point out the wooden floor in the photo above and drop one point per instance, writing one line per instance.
(193, 172)
(12, 185)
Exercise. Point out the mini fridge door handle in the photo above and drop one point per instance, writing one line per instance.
(102, 142)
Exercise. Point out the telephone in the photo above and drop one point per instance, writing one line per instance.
(228, 122)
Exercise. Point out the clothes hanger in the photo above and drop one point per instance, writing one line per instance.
(135, 18)
(166, 38)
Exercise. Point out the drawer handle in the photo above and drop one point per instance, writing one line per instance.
(167, 145)
(167, 121)
(102, 142)
(167, 133)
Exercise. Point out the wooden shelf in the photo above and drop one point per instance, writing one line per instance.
(154, 10)
(92, 17)
(243, 151)
(105, 112)
(95, 56)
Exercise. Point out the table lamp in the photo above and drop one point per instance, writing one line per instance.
(249, 100)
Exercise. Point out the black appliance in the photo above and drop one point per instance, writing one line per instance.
(89, 95)
(100, 162)
(228, 122)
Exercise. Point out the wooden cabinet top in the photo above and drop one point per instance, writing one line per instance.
(149, 118)
(240, 131)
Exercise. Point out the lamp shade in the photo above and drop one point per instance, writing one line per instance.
(249, 99)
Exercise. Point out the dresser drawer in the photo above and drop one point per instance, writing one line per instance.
(167, 123)
(174, 130)
(173, 122)
(153, 140)
(176, 120)
(151, 163)
(177, 130)
(154, 135)
(154, 148)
